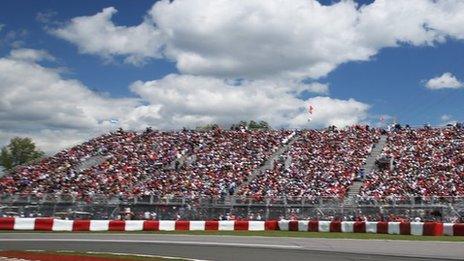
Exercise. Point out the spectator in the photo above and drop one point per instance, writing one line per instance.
(428, 163)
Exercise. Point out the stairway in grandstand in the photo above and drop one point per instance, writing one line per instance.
(184, 158)
(269, 162)
(368, 167)
(89, 162)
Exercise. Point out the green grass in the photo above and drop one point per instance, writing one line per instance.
(295, 234)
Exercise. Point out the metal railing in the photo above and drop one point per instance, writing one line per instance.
(170, 207)
(223, 200)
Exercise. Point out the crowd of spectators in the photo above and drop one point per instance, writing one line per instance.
(177, 163)
(58, 173)
(319, 164)
(216, 162)
(426, 162)
(220, 163)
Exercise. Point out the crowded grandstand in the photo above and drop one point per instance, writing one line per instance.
(259, 167)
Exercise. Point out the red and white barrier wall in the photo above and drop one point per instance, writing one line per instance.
(400, 228)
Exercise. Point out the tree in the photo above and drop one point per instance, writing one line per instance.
(212, 126)
(5, 159)
(20, 151)
(253, 125)
(264, 125)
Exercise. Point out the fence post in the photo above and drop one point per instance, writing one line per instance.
(267, 201)
(285, 207)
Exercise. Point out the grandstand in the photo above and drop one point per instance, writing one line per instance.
(427, 162)
(248, 174)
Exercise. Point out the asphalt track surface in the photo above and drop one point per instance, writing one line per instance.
(236, 247)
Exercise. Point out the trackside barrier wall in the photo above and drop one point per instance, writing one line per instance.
(458, 229)
(371, 227)
(395, 228)
(324, 226)
(197, 225)
(133, 225)
(62, 225)
(99, 225)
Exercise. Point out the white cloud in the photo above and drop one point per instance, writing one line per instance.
(446, 117)
(1, 26)
(38, 102)
(98, 35)
(14, 38)
(380, 121)
(272, 46)
(49, 140)
(315, 87)
(46, 17)
(266, 39)
(30, 55)
(445, 81)
(329, 111)
(186, 100)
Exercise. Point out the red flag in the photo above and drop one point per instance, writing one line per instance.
(310, 109)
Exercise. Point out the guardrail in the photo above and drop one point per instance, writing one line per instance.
(223, 200)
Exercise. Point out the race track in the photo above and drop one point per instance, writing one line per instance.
(235, 247)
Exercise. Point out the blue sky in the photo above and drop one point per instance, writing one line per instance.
(112, 78)
(384, 77)
(393, 82)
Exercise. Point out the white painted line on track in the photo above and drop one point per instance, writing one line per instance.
(144, 255)
(149, 241)
(161, 234)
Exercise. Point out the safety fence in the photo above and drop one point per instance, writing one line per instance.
(444, 209)
(41, 198)
(394, 228)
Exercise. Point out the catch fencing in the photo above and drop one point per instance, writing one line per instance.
(445, 209)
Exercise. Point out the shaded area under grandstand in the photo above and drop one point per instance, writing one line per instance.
(236, 247)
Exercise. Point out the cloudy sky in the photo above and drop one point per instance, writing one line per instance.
(72, 69)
